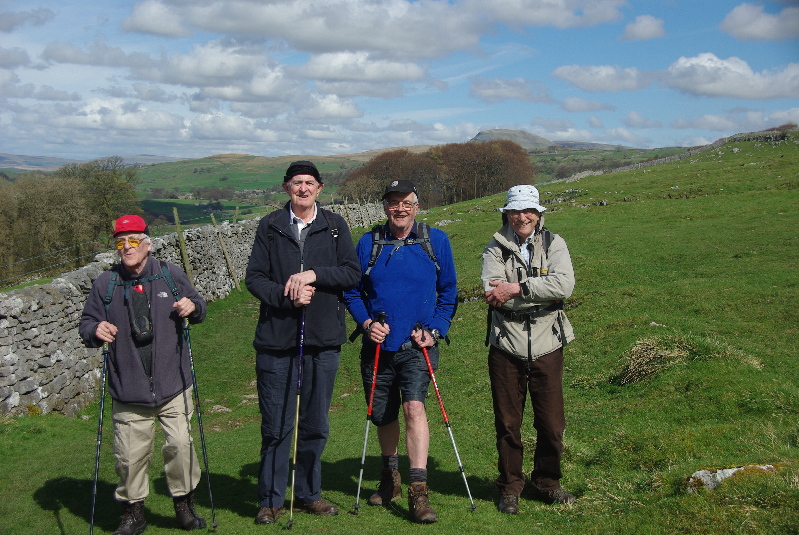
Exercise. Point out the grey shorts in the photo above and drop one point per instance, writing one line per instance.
(401, 376)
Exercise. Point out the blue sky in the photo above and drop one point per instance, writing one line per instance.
(92, 78)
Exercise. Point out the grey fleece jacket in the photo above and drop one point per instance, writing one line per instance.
(171, 370)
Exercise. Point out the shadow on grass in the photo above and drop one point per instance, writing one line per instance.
(239, 494)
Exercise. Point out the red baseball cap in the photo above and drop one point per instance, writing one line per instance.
(130, 223)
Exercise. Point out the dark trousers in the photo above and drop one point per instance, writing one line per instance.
(511, 379)
(277, 397)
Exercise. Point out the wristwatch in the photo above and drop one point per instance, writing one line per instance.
(436, 334)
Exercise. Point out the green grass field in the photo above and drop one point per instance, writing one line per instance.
(685, 359)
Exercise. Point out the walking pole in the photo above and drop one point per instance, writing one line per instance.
(297, 418)
(381, 318)
(200, 423)
(444, 414)
(99, 435)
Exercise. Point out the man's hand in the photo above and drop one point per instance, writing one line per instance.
(185, 307)
(501, 292)
(422, 338)
(304, 297)
(377, 331)
(296, 284)
(106, 331)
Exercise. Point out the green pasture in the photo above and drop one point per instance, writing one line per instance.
(685, 313)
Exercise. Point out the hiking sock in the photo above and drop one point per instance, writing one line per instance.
(391, 461)
(418, 475)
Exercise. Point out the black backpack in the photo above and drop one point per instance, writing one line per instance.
(379, 240)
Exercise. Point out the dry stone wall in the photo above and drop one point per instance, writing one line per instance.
(44, 366)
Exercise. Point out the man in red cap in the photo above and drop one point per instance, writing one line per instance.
(138, 307)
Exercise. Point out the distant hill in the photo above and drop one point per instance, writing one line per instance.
(524, 139)
(529, 141)
(46, 163)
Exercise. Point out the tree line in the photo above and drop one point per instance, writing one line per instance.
(55, 219)
(443, 174)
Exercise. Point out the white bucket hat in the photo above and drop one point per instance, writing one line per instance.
(522, 198)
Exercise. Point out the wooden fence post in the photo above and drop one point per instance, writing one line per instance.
(183, 253)
(224, 252)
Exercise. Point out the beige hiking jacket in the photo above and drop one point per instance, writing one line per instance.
(542, 330)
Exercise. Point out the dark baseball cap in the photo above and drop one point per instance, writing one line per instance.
(400, 186)
(302, 167)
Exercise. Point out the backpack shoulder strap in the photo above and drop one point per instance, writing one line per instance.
(331, 222)
(169, 280)
(423, 232)
(378, 240)
(109, 293)
(546, 238)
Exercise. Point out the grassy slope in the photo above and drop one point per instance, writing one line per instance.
(697, 257)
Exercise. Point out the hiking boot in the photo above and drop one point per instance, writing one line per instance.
(557, 495)
(268, 515)
(509, 504)
(390, 488)
(187, 517)
(133, 522)
(419, 504)
(320, 507)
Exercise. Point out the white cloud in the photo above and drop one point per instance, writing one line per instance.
(501, 89)
(604, 77)
(13, 57)
(577, 104)
(739, 120)
(644, 28)
(625, 136)
(157, 18)
(359, 66)
(636, 120)
(749, 22)
(9, 21)
(326, 107)
(595, 122)
(708, 75)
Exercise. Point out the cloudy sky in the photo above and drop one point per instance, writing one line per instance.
(190, 78)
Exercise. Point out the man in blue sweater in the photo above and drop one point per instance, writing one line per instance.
(411, 283)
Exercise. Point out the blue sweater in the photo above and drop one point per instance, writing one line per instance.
(404, 285)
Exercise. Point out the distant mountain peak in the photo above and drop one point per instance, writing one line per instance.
(524, 139)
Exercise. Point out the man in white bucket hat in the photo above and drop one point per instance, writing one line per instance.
(527, 274)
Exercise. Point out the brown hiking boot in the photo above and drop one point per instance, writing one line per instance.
(268, 515)
(557, 495)
(133, 522)
(509, 504)
(320, 507)
(419, 504)
(390, 488)
(187, 517)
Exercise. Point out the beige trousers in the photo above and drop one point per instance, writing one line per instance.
(134, 433)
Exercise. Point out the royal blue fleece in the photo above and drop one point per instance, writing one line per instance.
(404, 285)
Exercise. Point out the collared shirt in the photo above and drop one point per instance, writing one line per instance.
(298, 223)
(526, 246)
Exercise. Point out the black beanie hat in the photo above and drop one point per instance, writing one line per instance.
(302, 167)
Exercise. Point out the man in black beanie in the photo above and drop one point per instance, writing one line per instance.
(302, 261)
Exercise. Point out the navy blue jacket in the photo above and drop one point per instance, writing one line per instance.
(273, 261)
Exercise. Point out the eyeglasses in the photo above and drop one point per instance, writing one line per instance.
(396, 205)
(119, 243)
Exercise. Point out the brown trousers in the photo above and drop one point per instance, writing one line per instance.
(510, 382)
